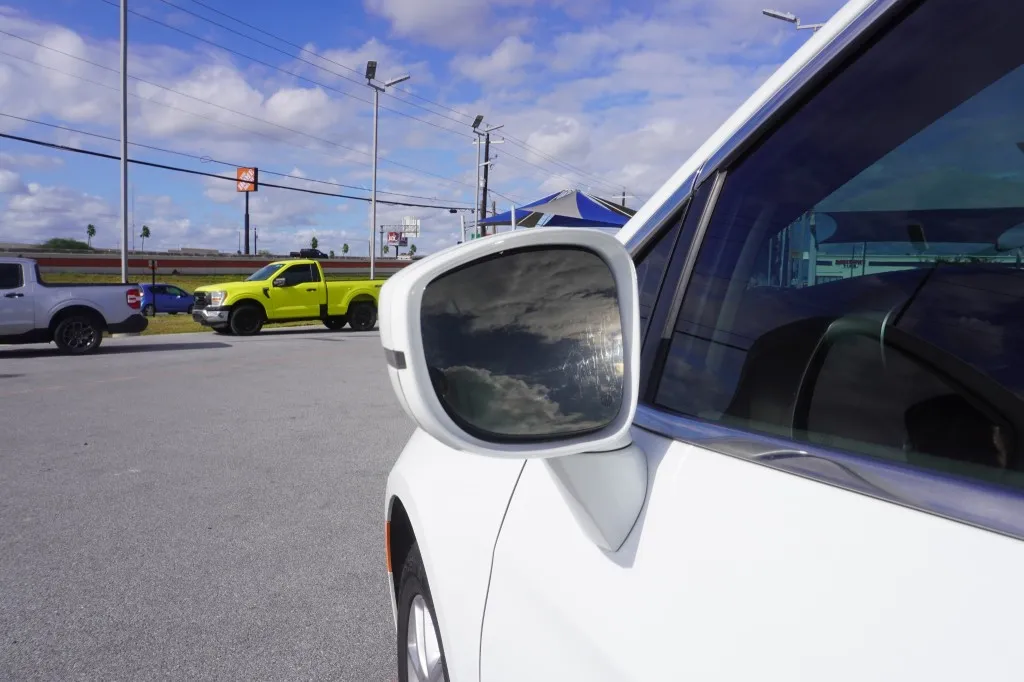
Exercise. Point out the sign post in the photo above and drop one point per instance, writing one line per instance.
(152, 273)
(248, 181)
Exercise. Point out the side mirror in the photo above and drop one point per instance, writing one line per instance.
(280, 282)
(522, 345)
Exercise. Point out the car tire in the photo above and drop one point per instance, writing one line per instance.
(189, 311)
(335, 323)
(149, 310)
(78, 334)
(420, 650)
(362, 316)
(246, 320)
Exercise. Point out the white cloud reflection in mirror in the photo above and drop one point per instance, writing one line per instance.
(526, 344)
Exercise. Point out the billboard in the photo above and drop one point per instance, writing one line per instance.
(397, 239)
(411, 226)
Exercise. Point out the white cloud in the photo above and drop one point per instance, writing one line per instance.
(505, 64)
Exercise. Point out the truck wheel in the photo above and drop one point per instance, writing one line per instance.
(246, 320)
(335, 323)
(362, 317)
(149, 310)
(223, 330)
(78, 335)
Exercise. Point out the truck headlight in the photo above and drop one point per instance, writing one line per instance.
(217, 298)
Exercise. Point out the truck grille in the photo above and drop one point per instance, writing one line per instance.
(201, 301)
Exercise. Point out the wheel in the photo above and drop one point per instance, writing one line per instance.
(172, 313)
(189, 311)
(78, 335)
(362, 316)
(420, 652)
(246, 320)
(335, 323)
(149, 310)
(226, 331)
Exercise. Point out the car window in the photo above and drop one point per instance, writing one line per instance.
(175, 291)
(651, 265)
(860, 284)
(298, 274)
(158, 289)
(10, 276)
(314, 274)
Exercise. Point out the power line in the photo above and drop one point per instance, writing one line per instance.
(178, 169)
(214, 104)
(336, 63)
(583, 174)
(206, 159)
(283, 70)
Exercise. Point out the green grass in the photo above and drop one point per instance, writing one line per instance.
(164, 323)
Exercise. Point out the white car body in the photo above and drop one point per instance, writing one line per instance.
(738, 567)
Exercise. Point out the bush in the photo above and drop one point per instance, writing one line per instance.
(64, 244)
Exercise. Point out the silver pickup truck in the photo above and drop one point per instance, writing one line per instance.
(73, 316)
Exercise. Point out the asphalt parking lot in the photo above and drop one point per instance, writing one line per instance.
(197, 506)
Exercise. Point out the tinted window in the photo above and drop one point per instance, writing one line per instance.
(860, 283)
(526, 344)
(650, 270)
(10, 276)
(298, 274)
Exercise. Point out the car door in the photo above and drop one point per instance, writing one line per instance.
(300, 296)
(162, 300)
(835, 463)
(178, 300)
(17, 312)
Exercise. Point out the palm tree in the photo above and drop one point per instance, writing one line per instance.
(412, 249)
(344, 249)
(385, 248)
(90, 231)
(313, 243)
(144, 235)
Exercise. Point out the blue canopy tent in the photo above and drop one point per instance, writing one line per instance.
(568, 208)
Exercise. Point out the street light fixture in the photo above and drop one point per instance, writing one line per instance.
(371, 74)
(790, 19)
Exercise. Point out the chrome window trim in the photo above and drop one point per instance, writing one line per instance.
(975, 503)
(664, 213)
(805, 78)
(707, 211)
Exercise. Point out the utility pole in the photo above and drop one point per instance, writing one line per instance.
(623, 197)
(462, 222)
(124, 141)
(381, 241)
(487, 169)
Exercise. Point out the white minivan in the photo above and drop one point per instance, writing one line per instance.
(773, 429)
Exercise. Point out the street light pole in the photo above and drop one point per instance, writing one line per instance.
(124, 141)
(371, 74)
(791, 19)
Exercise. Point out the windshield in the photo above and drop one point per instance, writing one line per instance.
(263, 273)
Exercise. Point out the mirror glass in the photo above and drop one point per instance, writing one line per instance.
(526, 344)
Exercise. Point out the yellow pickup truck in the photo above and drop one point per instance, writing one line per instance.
(286, 291)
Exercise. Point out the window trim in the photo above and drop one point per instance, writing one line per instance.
(661, 219)
(974, 503)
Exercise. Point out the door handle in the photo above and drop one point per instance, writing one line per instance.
(13, 295)
(310, 289)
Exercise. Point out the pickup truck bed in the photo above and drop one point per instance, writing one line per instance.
(73, 316)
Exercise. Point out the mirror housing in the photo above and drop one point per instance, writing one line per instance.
(401, 314)
(280, 282)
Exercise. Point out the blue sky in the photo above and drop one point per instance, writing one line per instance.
(606, 96)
